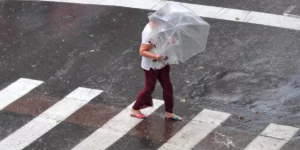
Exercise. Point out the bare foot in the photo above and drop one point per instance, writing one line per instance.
(137, 114)
(173, 116)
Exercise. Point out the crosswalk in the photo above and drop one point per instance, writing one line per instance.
(114, 129)
(274, 137)
(222, 13)
(196, 130)
(17, 90)
(48, 119)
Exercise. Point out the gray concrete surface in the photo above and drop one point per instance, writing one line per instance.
(69, 45)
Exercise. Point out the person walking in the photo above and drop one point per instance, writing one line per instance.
(155, 68)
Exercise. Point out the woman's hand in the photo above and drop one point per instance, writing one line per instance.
(158, 57)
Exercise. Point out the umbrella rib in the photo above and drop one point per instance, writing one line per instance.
(190, 36)
(179, 27)
(186, 24)
(165, 21)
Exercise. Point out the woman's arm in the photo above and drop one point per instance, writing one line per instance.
(145, 51)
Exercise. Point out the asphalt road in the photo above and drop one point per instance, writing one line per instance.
(249, 71)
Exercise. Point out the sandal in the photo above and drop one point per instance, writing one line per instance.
(140, 116)
(176, 118)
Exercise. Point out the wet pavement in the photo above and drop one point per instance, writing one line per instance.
(250, 71)
(267, 6)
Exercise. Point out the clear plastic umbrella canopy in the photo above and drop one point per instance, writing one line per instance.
(177, 32)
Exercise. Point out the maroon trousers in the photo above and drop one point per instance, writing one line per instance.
(144, 98)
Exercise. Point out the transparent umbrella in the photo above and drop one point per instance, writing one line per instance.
(177, 32)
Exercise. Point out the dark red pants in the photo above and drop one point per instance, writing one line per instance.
(144, 98)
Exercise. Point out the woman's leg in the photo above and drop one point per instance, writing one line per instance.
(165, 81)
(144, 98)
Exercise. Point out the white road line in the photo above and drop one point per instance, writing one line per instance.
(196, 130)
(16, 90)
(114, 129)
(48, 119)
(237, 15)
(291, 15)
(289, 9)
(272, 138)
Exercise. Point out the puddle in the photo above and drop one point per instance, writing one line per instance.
(264, 93)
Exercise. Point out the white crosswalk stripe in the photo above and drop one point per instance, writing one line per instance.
(222, 13)
(16, 90)
(196, 130)
(48, 119)
(114, 129)
(272, 138)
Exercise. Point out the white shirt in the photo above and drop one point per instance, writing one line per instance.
(148, 63)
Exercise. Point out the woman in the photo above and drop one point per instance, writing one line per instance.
(155, 67)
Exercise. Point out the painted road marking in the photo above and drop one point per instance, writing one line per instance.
(272, 138)
(16, 90)
(289, 10)
(221, 13)
(196, 130)
(48, 119)
(114, 129)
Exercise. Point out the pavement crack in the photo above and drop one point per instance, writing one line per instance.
(223, 139)
(273, 137)
(218, 13)
(245, 20)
